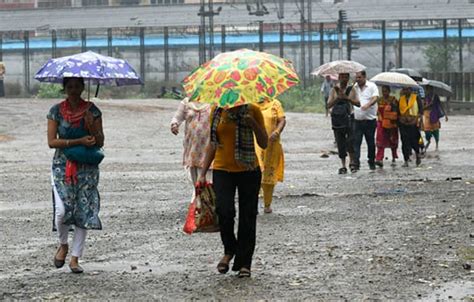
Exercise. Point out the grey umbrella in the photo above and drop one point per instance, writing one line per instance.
(440, 88)
(412, 73)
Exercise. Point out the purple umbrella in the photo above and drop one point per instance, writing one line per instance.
(96, 68)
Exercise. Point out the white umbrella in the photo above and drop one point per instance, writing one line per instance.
(337, 67)
(394, 79)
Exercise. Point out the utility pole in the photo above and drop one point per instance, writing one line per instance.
(340, 30)
(209, 13)
(310, 36)
(211, 29)
(260, 11)
(303, 46)
(281, 9)
(351, 38)
(202, 34)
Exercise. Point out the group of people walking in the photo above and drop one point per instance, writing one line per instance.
(358, 112)
(237, 149)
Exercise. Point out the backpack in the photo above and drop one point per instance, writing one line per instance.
(340, 115)
(341, 112)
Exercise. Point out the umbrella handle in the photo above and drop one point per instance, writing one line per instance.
(89, 90)
(97, 90)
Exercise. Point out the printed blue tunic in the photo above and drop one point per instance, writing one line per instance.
(81, 199)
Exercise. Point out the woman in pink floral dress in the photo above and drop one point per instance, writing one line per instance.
(196, 135)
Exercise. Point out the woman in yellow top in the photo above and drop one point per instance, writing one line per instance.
(235, 167)
(410, 112)
(271, 159)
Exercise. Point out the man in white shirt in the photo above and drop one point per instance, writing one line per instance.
(365, 118)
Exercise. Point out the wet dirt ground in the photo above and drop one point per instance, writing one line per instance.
(392, 234)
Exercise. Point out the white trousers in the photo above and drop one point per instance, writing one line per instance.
(63, 229)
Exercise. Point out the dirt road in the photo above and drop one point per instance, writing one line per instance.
(396, 233)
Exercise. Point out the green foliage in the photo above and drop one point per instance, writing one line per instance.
(50, 91)
(440, 58)
(298, 99)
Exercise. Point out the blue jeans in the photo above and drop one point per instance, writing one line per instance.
(366, 129)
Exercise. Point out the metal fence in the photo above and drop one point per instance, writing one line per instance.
(164, 55)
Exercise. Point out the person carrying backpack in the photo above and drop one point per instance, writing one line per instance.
(341, 120)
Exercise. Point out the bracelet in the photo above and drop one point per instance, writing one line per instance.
(67, 143)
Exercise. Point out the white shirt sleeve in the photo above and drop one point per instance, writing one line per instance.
(375, 90)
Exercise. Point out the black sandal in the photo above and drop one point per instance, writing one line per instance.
(353, 168)
(223, 267)
(343, 170)
(244, 273)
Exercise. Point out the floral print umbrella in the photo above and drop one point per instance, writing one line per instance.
(240, 77)
(91, 66)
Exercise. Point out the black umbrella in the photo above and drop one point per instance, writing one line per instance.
(439, 87)
(412, 73)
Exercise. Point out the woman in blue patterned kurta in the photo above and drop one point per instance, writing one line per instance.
(76, 198)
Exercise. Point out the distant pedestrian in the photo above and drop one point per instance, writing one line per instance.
(235, 167)
(326, 87)
(410, 112)
(365, 116)
(2, 77)
(196, 136)
(73, 123)
(271, 159)
(390, 66)
(387, 127)
(432, 112)
(342, 119)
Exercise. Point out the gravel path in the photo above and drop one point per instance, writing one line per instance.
(396, 233)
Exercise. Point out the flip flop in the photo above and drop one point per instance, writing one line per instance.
(223, 267)
(244, 273)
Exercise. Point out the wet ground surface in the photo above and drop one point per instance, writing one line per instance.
(395, 233)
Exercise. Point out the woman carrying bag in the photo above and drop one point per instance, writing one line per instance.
(235, 167)
(75, 131)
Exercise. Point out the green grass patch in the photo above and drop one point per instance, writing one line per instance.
(298, 99)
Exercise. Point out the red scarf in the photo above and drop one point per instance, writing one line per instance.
(73, 117)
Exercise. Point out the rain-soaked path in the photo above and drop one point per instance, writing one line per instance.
(395, 233)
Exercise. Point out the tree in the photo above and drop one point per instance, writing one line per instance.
(439, 57)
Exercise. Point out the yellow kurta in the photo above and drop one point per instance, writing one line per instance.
(271, 159)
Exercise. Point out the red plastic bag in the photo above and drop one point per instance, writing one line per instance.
(202, 216)
(190, 224)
